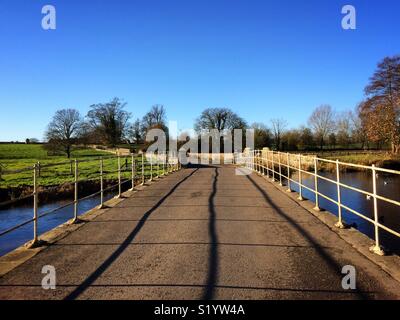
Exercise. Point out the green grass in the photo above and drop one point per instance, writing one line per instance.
(19, 156)
(380, 159)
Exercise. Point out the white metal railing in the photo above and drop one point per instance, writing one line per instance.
(271, 163)
(140, 168)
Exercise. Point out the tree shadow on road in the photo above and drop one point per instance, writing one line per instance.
(213, 254)
(319, 249)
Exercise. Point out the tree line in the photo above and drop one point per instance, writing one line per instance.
(375, 122)
(105, 123)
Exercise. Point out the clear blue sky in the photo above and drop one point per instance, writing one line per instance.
(264, 59)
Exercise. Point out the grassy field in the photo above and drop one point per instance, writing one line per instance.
(380, 159)
(19, 156)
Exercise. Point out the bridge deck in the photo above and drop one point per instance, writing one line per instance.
(201, 233)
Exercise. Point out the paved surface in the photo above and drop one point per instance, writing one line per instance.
(201, 233)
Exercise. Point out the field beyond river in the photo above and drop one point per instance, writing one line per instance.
(56, 174)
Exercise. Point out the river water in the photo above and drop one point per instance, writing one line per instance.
(387, 186)
(12, 216)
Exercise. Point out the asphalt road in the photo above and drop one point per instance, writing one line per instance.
(201, 233)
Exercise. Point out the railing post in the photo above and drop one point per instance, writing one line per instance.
(158, 165)
(151, 167)
(143, 178)
(300, 181)
(273, 166)
(262, 164)
(35, 240)
(256, 161)
(163, 163)
(340, 223)
(377, 249)
(316, 208)
(288, 172)
(119, 178)
(267, 160)
(76, 195)
(133, 168)
(101, 184)
(280, 169)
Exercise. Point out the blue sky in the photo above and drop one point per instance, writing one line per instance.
(264, 59)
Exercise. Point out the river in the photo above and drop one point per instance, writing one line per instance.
(388, 186)
(12, 216)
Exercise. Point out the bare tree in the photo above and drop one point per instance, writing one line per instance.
(344, 127)
(156, 117)
(135, 132)
(262, 135)
(322, 123)
(306, 138)
(220, 119)
(278, 128)
(109, 121)
(63, 130)
(359, 132)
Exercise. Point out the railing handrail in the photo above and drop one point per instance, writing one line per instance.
(169, 164)
(264, 162)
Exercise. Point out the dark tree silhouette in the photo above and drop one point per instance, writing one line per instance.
(63, 130)
(109, 121)
(220, 119)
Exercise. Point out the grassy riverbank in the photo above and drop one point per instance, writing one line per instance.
(61, 170)
(380, 159)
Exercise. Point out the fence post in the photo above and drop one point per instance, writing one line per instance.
(143, 178)
(267, 161)
(340, 223)
(377, 249)
(133, 168)
(163, 164)
(119, 177)
(76, 195)
(158, 165)
(256, 161)
(101, 184)
(151, 167)
(288, 172)
(273, 166)
(280, 169)
(35, 241)
(316, 208)
(300, 181)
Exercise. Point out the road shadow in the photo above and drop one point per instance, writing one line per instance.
(125, 244)
(213, 254)
(335, 267)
